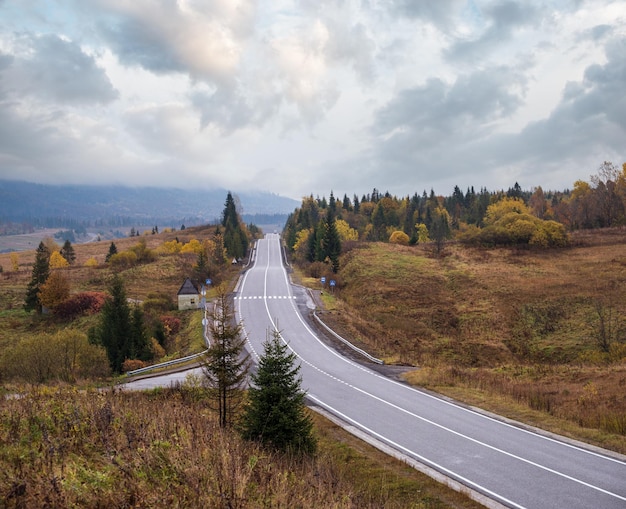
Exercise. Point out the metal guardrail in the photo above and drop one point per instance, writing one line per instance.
(347, 343)
(165, 364)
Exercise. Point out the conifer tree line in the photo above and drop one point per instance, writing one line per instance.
(377, 216)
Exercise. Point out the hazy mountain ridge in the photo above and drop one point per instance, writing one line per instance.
(24, 201)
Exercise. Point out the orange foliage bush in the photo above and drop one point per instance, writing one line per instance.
(132, 364)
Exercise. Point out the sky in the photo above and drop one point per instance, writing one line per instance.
(305, 97)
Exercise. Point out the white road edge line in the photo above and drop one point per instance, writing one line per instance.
(413, 454)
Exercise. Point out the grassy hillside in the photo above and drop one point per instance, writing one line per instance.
(513, 330)
(164, 275)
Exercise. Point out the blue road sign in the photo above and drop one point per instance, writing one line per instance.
(208, 281)
(332, 282)
(323, 280)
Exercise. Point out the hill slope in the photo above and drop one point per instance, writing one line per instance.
(518, 324)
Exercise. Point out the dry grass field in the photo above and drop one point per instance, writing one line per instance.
(66, 448)
(515, 331)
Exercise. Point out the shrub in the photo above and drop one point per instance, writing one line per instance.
(318, 269)
(170, 247)
(79, 304)
(172, 324)
(91, 262)
(132, 364)
(66, 355)
(193, 246)
(158, 302)
(143, 253)
(399, 237)
(156, 349)
(124, 259)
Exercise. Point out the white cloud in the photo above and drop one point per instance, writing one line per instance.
(52, 68)
(202, 39)
(303, 96)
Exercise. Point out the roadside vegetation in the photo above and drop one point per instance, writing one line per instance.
(67, 448)
(510, 301)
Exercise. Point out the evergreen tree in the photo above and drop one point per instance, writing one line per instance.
(332, 203)
(379, 223)
(290, 232)
(235, 236)
(67, 252)
(140, 346)
(159, 332)
(332, 243)
(115, 329)
(225, 366)
(202, 265)
(112, 251)
(347, 206)
(320, 235)
(357, 205)
(276, 413)
(41, 271)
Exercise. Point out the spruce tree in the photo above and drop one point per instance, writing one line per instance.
(140, 345)
(229, 215)
(115, 332)
(67, 252)
(332, 242)
(41, 271)
(112, 251)
(235, 236)
(276, 413)
(320, 235)
(225, 366)
(202, 265)
(379, 223)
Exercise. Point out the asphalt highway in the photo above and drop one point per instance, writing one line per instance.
(502, 464)
(507, 463)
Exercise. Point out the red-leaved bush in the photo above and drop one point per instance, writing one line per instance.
(171, 324)
(80, 304)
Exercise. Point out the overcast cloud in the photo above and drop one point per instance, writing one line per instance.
(303, 97)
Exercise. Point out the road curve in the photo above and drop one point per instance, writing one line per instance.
(509, 464)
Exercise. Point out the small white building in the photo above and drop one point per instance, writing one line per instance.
(188, 296)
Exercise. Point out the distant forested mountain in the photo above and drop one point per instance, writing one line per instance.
(67, 205)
